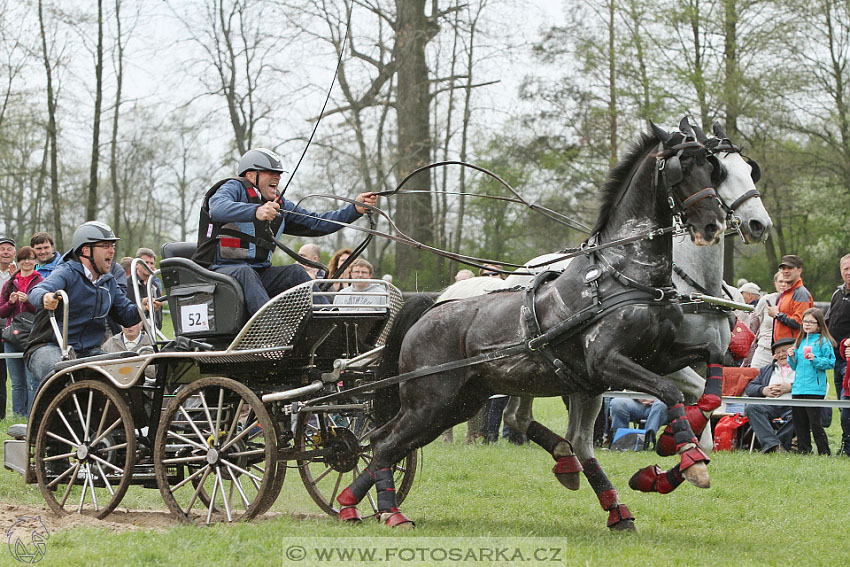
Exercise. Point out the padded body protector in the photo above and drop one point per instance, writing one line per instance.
(235, 244)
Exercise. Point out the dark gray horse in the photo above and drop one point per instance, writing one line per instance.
(626, 338)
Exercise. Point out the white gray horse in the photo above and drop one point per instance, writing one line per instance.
(697, 269)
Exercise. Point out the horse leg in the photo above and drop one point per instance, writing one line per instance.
(699, 414)
(625, 373)
(411, 428)
(583, 411)
(518, 416)
(692, 464)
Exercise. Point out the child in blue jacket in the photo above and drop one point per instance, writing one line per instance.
(813, 353)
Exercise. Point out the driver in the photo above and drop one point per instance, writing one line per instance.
(237, 216)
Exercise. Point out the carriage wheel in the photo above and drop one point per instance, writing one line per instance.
(344, 441)
(274, 491)
(85, 449)
(215, 452)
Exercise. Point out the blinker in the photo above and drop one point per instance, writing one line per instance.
(592, 273)
(672, 170)
(755, 170)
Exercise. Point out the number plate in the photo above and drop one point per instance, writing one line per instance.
(194, 318)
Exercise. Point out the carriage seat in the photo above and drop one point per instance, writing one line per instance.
(204, 304)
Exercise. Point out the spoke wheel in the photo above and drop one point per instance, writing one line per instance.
(85, 450)
(343, 450)
(215, 453)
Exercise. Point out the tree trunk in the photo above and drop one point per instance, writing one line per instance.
(91, 198)
(51, 134)
(113, 157)
(699, 63)
(413, 32)
(464, 140)
(730, 99)
(612, 87)
(837, 68)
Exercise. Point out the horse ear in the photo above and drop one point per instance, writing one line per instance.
(718, 130)
(659, 133)
(701, 137)
(685, 127)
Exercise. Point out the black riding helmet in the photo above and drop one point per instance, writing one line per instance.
(259, 159)
(90, 233)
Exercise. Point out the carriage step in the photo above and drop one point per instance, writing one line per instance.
(15, 456)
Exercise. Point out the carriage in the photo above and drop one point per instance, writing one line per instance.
(215, 417)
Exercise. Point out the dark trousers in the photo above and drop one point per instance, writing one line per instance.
(3, 392)
(493, 420)
(840, 368)
(808, 424)
(261, 284)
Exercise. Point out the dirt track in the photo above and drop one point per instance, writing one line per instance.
(122, 519)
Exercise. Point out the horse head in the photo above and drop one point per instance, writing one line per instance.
(688, 174)
(737, 189)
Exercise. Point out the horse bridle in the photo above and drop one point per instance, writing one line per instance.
(717, 145)
(668, 169)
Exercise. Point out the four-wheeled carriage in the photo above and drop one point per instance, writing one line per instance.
(218, 426)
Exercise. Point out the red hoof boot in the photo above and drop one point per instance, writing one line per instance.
(646, 478)
(349, 514)
(665, 445)
(653, 479)
(691, 457)
(567, 471)
(621, 519)
(396, 519)
(347, 498)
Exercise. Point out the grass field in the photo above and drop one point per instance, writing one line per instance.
(760, 510)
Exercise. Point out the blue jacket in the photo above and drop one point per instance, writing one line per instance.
(47, 269)
(810, 377)
(230, 205)
(89, 304)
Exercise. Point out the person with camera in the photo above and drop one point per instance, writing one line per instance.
(14, 301)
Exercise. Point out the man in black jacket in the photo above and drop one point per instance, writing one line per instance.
(838, 322)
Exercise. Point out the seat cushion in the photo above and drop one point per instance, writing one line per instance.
(735, 380)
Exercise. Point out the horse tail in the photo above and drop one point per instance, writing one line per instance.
(387, 401)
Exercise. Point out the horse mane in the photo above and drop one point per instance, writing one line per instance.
(615, 186)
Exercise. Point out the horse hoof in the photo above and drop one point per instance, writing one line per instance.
(571, 481)
(624, 526)
(349, 514)
(697, 474)
(567, 471)
(396, 520)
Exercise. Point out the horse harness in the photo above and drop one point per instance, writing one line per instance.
(702, 307)
(669, 171)
(635, 293)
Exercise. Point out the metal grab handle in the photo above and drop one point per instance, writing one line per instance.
(62, 336)
(148, 323)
